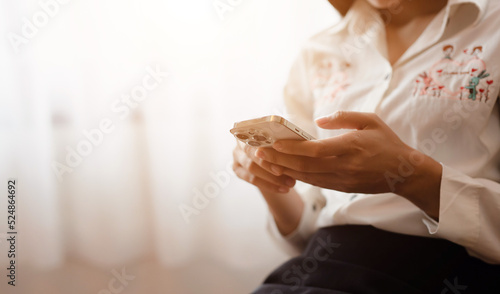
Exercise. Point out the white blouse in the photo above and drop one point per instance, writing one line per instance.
(439, 97)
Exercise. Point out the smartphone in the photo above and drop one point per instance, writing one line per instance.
(264, 131)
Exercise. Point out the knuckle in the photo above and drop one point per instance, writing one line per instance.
(354, 140)
(319, 149)
(356, 137)
(340, 115)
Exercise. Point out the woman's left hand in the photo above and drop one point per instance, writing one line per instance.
(371, 159)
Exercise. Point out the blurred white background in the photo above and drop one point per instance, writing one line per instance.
(68, 66)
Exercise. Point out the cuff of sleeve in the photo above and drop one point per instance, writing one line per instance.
(458, 209)
(296, 241)
(431, 224)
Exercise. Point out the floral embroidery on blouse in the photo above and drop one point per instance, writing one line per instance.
(463, 78)
(329, 81)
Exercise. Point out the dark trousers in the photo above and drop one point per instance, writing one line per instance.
(364, 259)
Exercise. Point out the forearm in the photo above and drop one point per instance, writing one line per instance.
(286, 209)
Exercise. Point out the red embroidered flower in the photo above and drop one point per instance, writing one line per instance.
(481, 90)
(489, 82)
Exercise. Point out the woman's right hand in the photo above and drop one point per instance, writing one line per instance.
(257, 172)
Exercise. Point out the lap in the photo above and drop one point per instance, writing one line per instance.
(363, 259)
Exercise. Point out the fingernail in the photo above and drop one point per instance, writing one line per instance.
(290, 182)
(277, 146)
(283, 189)
(260, 154)
(276, 170)
(322, 120)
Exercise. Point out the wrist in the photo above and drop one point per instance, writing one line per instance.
(286, 209)
(422, 186)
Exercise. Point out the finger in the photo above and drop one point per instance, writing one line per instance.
(251, 154)
(281, 180)
(258, 170)
(245, 175)
(334, 146)
(279, 160)
(349, 120)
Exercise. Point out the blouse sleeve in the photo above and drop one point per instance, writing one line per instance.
(469, 214)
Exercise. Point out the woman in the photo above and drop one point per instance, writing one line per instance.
(407, 199)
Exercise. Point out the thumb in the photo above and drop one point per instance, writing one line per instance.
(348, 120)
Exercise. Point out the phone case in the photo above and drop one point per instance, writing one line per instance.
(264, 131)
